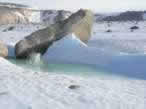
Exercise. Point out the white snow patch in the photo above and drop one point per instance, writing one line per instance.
(35, 17)
(45, 91)
(8, 101)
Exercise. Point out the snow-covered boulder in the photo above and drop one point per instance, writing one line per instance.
(82, 28)
(3, 50)
(79, 23)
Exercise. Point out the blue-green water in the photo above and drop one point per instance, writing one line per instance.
(59, 68)
(119, 66)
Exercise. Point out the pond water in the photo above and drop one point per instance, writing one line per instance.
(120, 66)
(59, 68)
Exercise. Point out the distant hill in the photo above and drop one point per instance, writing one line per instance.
(14, 5)
(52, 16)
(124, 16)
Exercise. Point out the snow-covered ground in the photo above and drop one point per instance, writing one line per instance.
(27, 90)
(120, 52)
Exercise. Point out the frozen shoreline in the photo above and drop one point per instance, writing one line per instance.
(42, 90)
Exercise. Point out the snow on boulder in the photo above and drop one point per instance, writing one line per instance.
(35, 17)
(83, 28)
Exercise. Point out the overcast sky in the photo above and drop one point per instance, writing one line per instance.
(96, 5)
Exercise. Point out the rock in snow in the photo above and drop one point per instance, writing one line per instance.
(79, 23)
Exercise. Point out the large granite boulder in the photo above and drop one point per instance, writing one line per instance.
(3, 50)
(83, 28)
(79, 23)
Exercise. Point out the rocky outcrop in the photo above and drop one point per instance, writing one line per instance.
(49, 17)
(125, 16)
(10, 15)
(3, 50)
(79, 23)
(62, 15)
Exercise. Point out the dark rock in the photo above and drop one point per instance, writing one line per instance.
(79, 23)
(9, 29)
(126, 16)
(134, 28)
(74, 87)
(62, 15)
(108, 31)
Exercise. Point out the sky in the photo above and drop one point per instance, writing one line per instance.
(95, 5)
